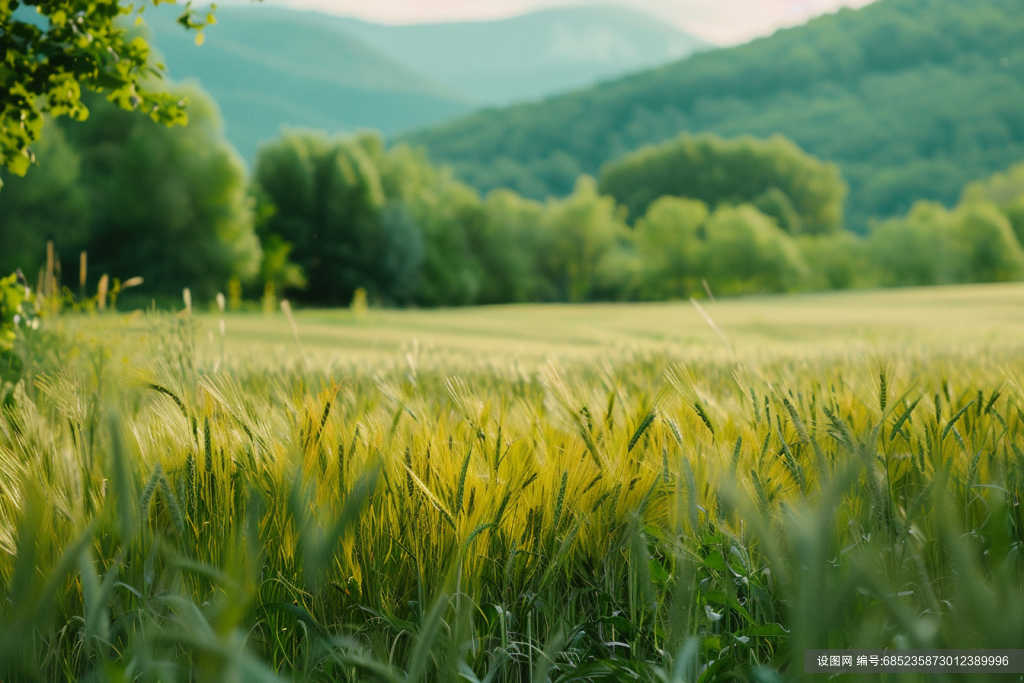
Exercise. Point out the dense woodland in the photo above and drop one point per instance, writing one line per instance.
(167, 203)
(912, 98)
(322, 217)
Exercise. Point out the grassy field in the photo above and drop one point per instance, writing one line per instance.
(531, 333)
(528, 493)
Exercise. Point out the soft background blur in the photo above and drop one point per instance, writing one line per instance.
(451, 154)
(723, 22)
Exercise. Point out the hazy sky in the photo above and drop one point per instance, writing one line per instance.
(724, 22)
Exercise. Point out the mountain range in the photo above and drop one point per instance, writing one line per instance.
(912, 98)
(531, 56)
(270, 66)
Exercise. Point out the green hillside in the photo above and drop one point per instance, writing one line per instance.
(534, 55)
(912, 98)
(267, 66)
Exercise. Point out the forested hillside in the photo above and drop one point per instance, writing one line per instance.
(271, 66)
(267, 67)
(912, 98)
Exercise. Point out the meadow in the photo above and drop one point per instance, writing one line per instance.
(932, 317)
(649, 492)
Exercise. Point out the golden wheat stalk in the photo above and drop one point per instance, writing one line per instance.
(101, 292)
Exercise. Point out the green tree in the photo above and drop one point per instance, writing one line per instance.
(745, 251)
(436, 224)
(777, 204)
(912, 250)
(984, 246)
(68, 47)
(838, 260)
(668, 242)
(509, 249)
(801, 192)
(165, 203)
(932, 245)
(330, 205)
(51, 203)
(277, 271)
(1004, 189)
(452, 275)
(169, 204)
(581, 232)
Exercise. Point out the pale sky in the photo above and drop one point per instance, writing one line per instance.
(723, 22)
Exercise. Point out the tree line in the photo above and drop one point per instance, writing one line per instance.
(912, 98)
(322, 217)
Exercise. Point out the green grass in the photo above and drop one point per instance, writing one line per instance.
(815, 323)
(514, 494)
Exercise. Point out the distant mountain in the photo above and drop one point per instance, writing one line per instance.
(534, 55)
(269, 67)
(912, 98)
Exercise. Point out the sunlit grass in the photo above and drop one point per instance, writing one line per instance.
(526, 493)
(532, 332)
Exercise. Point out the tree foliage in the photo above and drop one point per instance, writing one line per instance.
(745, 251)
(801, 192)
(580, 233)
(54, 50)
(667, 241)
(332, 209)
(735, 249)
(51, 203)
(337, 215)
(359, 215)
(838, 260)
(931, 245)
(507, 245)
(168, 204)
(911, 98)
(1004, 189)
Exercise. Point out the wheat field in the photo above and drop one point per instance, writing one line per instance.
(641, 492)
(532, 333)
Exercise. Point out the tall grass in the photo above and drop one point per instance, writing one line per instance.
(165, 518)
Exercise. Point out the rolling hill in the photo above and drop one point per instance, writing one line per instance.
(912, 98)
(534, 55)
(267, 66)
